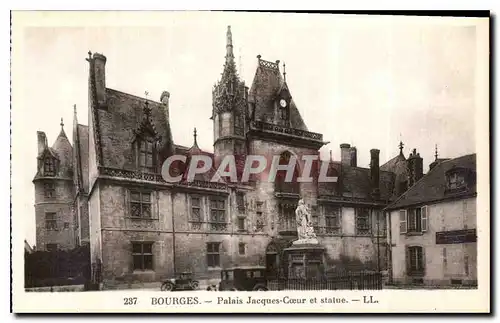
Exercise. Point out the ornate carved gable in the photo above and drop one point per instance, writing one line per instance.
(146, 128)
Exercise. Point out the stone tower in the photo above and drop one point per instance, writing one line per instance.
(229, 101)
(54, 192)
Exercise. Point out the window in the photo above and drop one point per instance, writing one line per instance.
(49, 190)
(363, 222)
(146, 150)
(49, 168)
(238, 124)
(51, 246)
(213, 255)
(142, 254)
(240, 201)
(332, 219)
(402, 221)
(196, 209)
(66, 225)
(456, 180)
(241, 248)
(140, 204)
(415, 220)
(415, 260)
(50, 221)
(241, 224)
(281, 183)
(217, 215)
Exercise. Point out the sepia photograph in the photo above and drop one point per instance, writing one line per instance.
(249, 162)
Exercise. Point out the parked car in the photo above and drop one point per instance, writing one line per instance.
(243, 279)
(183, 282)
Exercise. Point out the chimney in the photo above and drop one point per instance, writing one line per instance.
(415, 167)
(164, 99)
(100, 79)
(345, 155)
(353, 156)
(42, 141)
(375, 172)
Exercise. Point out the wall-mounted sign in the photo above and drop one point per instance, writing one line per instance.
(456, 236)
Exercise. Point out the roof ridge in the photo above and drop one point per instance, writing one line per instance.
(134, 96)
(431, 171)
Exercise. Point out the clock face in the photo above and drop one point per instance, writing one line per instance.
(283, 103)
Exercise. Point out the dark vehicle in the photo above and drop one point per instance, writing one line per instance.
(243, 279)
(183, 282)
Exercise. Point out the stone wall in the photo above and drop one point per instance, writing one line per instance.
(61, 204)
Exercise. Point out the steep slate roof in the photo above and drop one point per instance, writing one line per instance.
(265, 88)
(124, 114)
(64, 151)
(354, 182)
(432, 187)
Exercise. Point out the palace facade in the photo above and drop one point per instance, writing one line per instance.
(106, 188)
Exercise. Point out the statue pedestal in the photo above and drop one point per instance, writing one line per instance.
(305, 259)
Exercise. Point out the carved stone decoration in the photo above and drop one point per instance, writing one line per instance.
(146, 127)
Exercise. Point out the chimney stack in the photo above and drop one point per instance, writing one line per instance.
(415, 167)
(375, 172)
(164, 98)
(353, 156)
(100, 78)
(42, 141)
(345, 155)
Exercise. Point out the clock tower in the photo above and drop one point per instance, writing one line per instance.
(282, 104)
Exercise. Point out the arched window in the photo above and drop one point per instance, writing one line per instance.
(281, 185)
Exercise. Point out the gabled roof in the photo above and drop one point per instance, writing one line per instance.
(432, 187)
(63, 152)
(118, 123)
(266, 85)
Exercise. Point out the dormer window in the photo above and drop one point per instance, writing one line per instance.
(146, 154)
(457, 179)
(49, 167)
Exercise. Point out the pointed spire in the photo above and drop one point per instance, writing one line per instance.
(195, 135)
(62, 123)
(229, 45)
(436, 152)
(401, 145)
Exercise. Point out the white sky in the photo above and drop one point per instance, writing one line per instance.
(356, 79)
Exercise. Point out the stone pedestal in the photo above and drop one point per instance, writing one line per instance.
(305, 260)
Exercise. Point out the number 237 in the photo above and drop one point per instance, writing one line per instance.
(130, 301)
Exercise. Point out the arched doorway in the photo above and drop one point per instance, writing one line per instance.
(276, 264)
(272, 261)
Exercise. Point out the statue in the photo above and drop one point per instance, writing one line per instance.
(305, 230)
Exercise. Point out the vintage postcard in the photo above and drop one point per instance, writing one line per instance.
(182, 162)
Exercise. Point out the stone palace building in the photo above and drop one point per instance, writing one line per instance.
(106, 189)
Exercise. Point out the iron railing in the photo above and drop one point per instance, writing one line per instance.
(341, 281)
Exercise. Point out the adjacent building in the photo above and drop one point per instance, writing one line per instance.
(433, 226)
